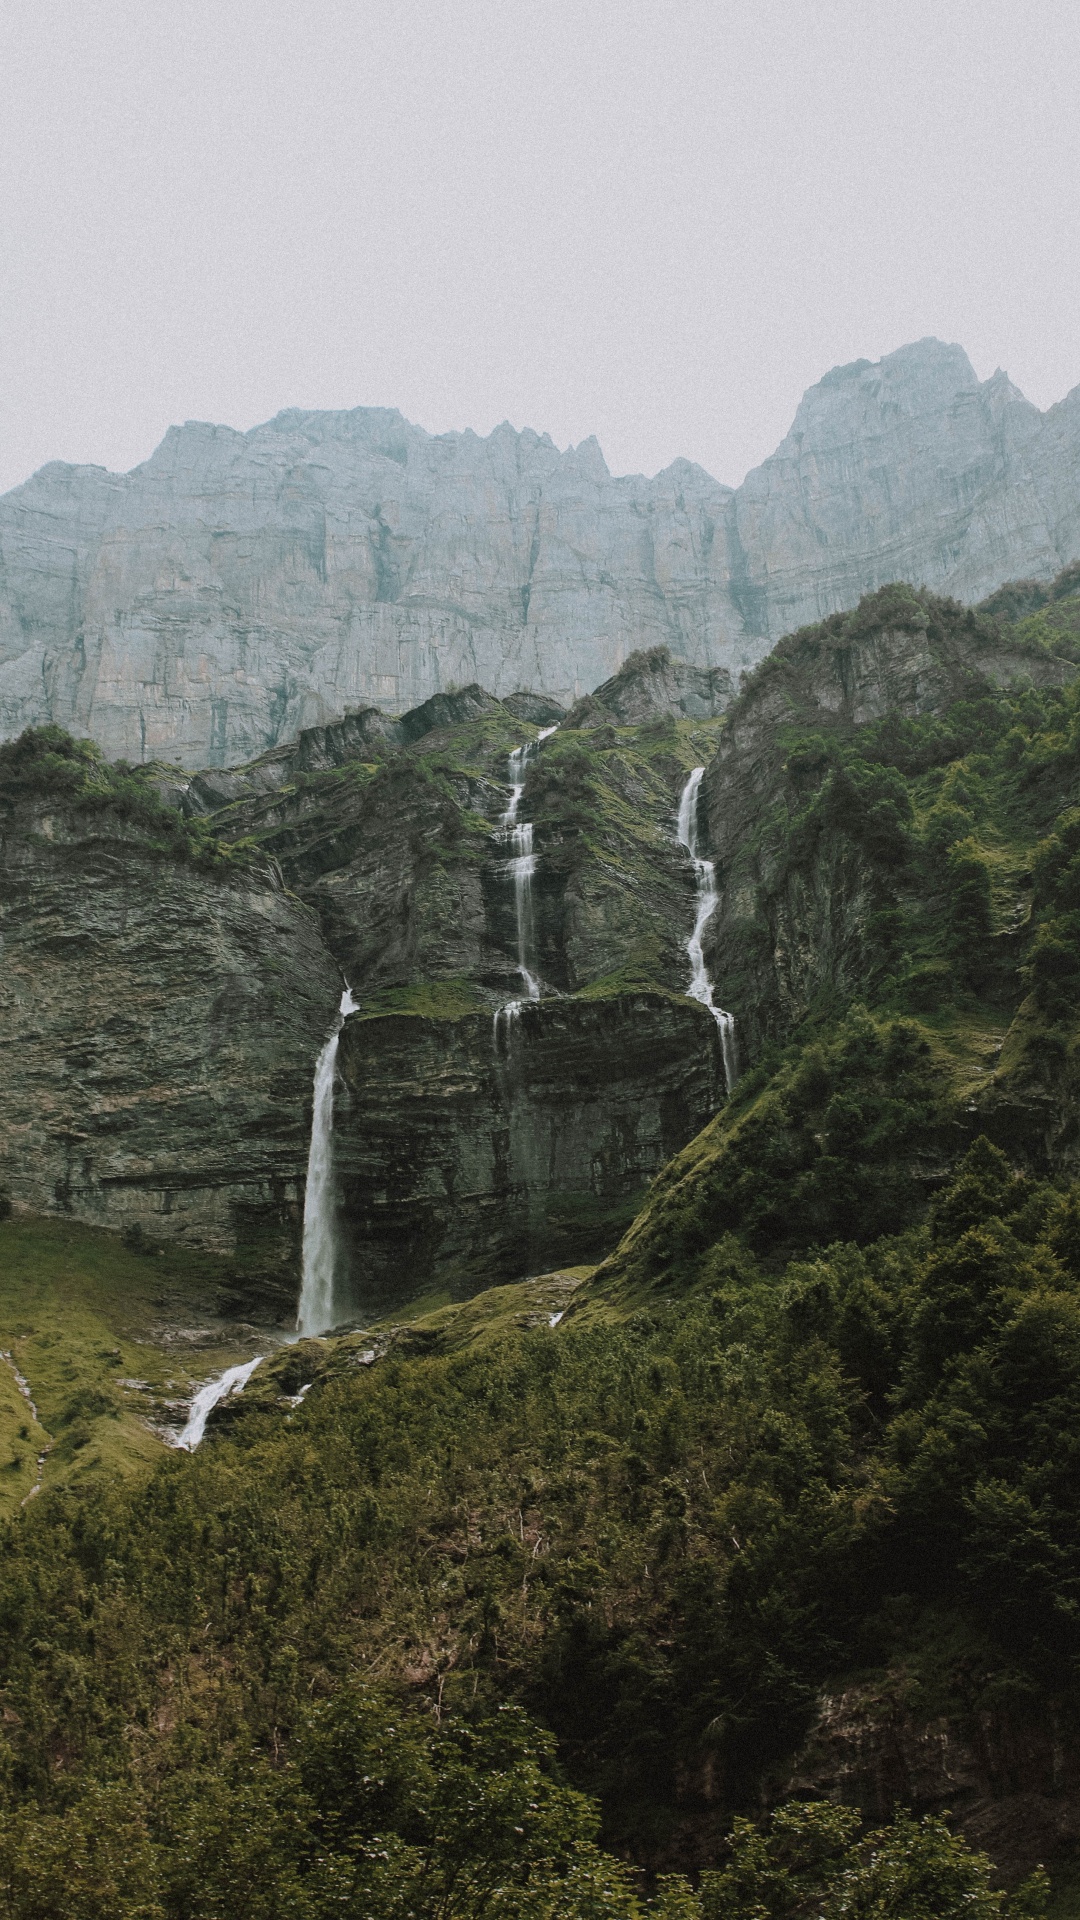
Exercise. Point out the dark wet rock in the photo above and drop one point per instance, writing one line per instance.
(467, 1156)
(160, 1020)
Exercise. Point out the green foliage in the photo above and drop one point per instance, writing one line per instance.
(46, 763)
(894, 861)
(808, 1861)
(657, 1536)
(561, 787)
(430, 1000)
(827, 1151)
(432, 1641)
(968, 906)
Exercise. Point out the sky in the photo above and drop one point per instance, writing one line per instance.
(654, 222)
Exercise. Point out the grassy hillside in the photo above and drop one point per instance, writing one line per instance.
(111, 1340)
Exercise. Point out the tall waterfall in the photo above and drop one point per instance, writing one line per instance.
(317, 1290)
(520, 868)
(701, 987)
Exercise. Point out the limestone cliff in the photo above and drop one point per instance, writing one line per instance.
(238, 587)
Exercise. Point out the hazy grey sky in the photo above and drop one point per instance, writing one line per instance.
(656, 222)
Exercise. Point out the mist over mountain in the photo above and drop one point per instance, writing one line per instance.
(238, 587)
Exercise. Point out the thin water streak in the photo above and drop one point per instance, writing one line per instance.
(520, 868)
(701, 987)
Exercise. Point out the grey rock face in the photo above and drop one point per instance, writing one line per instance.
(160, 1025)
(650, 685)
(239, 587)
(786, 934)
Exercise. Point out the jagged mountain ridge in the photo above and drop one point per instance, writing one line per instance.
(238, 587)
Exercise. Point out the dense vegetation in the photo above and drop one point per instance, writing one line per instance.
(932, 833)
(289, 1674)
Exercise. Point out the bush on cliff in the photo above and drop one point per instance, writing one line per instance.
(45, 762)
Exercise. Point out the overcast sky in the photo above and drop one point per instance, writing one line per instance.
(653, 220)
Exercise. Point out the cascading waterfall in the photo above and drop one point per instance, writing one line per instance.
(701, 987)
(317, 1288)
(233, 1380)
(520, 868)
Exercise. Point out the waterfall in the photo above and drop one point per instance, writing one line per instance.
(701, 987)
(233, 1380)
(520, 868)
(317, 1289)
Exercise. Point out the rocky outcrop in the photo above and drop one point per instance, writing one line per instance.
(908, 468)
(239, 587)
(368, 734)
(160, 1022)
(470, 1153)
(1009, 1780)
(400, 855)
(170, 978)
(791, 933)
(650, 685)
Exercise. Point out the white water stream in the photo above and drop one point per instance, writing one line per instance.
(233, 1380)
(520, 868)
(701, 987)
(316, 1312)
(321, 1245)
(23, 1385)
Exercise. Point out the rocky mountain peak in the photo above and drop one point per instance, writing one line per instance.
(237, 588)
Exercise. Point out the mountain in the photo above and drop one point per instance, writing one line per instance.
(707, 1560)
(239, 587)
(175, 947)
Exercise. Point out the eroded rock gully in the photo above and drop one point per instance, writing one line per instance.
(1010, 1781)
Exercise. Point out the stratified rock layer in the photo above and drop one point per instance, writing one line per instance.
(238, 587)
(467, 1150)
(159, 1027)
(166, 995)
